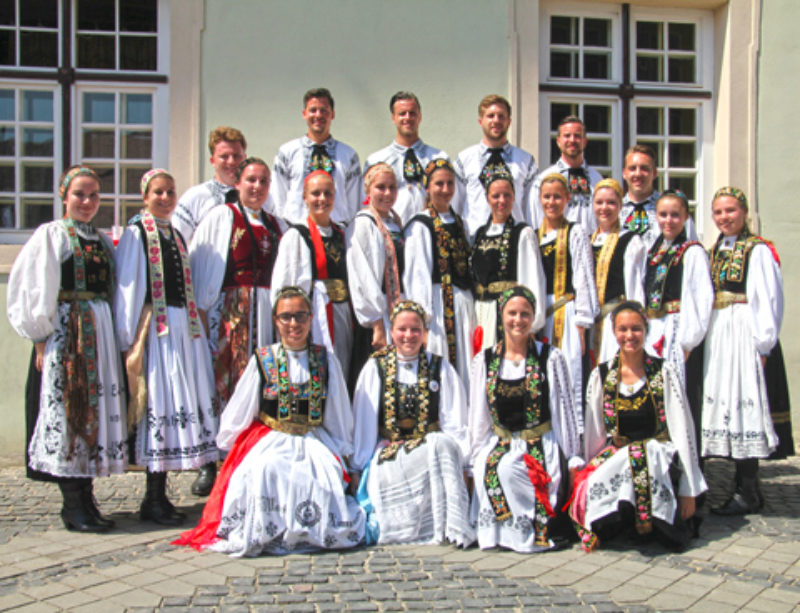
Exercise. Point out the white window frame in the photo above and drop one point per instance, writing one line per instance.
(17, 39)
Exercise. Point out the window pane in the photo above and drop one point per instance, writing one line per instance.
(132, 177)
(137, 108)
(597, 32)
(563, 64)
(35, 212)
(96, 15)
(37, 178)
(6, 105)
(37, 142)
(105, 215)
(555, 152)
(136, 145)
(681, 122)
(38, 13)
(7, 217)
(559, 110)
(8, 48)
(38, 48)
(96, 51)
(656, 146)
(649, 120)
(649, 68)
(681, 155)
(98, 108)
(129, 209)
(98, 143)
(7, 182)
(681, 36)
(595, 66)
(598, 152)
(37, 106)
(685, 184)
(106, 174)
(564, 31)
(138, 16)
(137, 52)
(597, 118)
(8, 13)
(681, 70)
(7, 140)
(649, 35)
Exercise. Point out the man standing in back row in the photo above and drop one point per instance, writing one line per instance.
(317, 150)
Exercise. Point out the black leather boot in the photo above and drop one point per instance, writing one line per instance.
(90, 504)
(205, 479)
(746, 497)
(74, 513)
(155, 506)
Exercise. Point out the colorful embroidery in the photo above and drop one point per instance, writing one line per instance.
(534, 377)
(491, 481)
(559, 276)
(276, 370)
(637, 220)
(663, 261)
(637, 458)
(728, 265)
(655, 387)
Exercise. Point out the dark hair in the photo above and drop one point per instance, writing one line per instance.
(403, 95)
(675, 193)
(247, 162)
(571, 119)
(318, 92)
(629, 305)
(290, 291)
(644, 150)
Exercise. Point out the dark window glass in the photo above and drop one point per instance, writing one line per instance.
(7, 182)
(649, 120)
(136, 145)
(681, 36)
(8, 13)
(558, 111)
(561, 64)
(597, 32)
(36, 212)
(649, 35)
(37, 178)
(137, 52)
(38, 13)
(685, 184)
(7, 104)
(138, 16)
(38, 48)
(595, 66)
(37, 106)
(37, 142)
(682, 122)
(7, 217)
(132, 177)
(96, 15)
(98, 107)
(563, 31)
(656, 146)
(128, 210)
(597, 118)
(96, 51)
(681, 70)
(105, 216)
(6, 140)
(648, 68)
(681, 155)
(598, 152)
(555, 152)
(98, 143)
(106, 174)
(8, 48)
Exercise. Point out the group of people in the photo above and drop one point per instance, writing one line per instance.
(429, 351)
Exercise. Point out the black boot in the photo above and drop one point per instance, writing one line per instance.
(745, 498)
(74, 513)
(155, 505)
(90, 504)
(205, 479)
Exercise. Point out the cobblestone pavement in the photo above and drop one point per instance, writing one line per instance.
(750, 563)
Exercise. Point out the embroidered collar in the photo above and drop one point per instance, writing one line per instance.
(534, 377)
(655, 385)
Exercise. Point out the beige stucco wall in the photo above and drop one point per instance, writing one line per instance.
(14, 358)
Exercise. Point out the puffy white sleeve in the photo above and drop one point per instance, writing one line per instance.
(530, 273)
(765, 297)
(535, 212)
(337, 420)
(366, 406)
(587, 306)
(418, 273)
(353, 187)
(366, 259)
(208, 255)
(34, 282)
(279, 184)
(562, 409)
(242, 408)
(460, 196)
(479, 422)
(131, 268)
(292, 264)
(453, 407)
(594, 425)
(681, 433)
(697, 298)
(634, 269)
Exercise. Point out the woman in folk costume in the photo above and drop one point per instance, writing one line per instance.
(505, 253)
(172, 400)
(745, 393)
(437, 273)
(289, 428)
(59, 297)
(411, 438)
(375, 263)
(312, 257)
(642, 471)
(232, 255)
(571, 294)
(524, 437)
(619, 264)
(679, 296)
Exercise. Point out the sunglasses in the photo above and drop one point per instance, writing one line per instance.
(300, 317)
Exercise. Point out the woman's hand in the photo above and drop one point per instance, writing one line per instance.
(582, 336)
(355, 479)
(686, 506)
(686, 355)
(378, 335)
(39, 347)
(204, 320)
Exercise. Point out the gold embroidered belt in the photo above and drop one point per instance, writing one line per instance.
(298, 428)
(561, 302)
(673, 306)
(336, 290)
(392, 436)
(526, 435)
(608, 307)
(726, 299)
(622, 441)
(69, 296)
(493, 290)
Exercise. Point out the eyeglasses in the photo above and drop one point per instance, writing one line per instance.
(300, 317)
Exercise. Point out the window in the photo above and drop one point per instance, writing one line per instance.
(101, 106)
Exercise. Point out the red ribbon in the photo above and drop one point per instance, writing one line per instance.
(477, 340)
(540, 479)
(322, 266)
(581, 476)
(659, 346)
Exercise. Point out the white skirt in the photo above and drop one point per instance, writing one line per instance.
(671, 350)
(517, 532)
(420, 497)
(464, 325)
(52, 449)
(178, 430)
(288, 495)
(486, 318)
(608, 342)
(735, 418)
(571, 348)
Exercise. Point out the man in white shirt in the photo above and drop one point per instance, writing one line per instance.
(638, 212)
(227, 146)
(581, 178)
(407, 155)
(493, 154)
(317, 150)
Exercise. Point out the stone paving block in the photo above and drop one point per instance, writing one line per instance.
(68, 600)
(138, 597)
(12, 601)
(37, 607)
(45, 590)
(630, 593)
(203, 577)
(107, 589)
(84, 580)
(144, 578)
(559, 576)
(172, 587)
(765, 605)
(707, 604)
(672, 599)
(781, 595)
(769, 566)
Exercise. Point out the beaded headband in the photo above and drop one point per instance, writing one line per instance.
(373, 171)
(501, 175)
(610, 183)
(433, 166)
(733, 192)
(408, 305)
(316, 173)
(292, 291)
(676, 193)
(149, 176)
(513, 292)
(77, 171)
